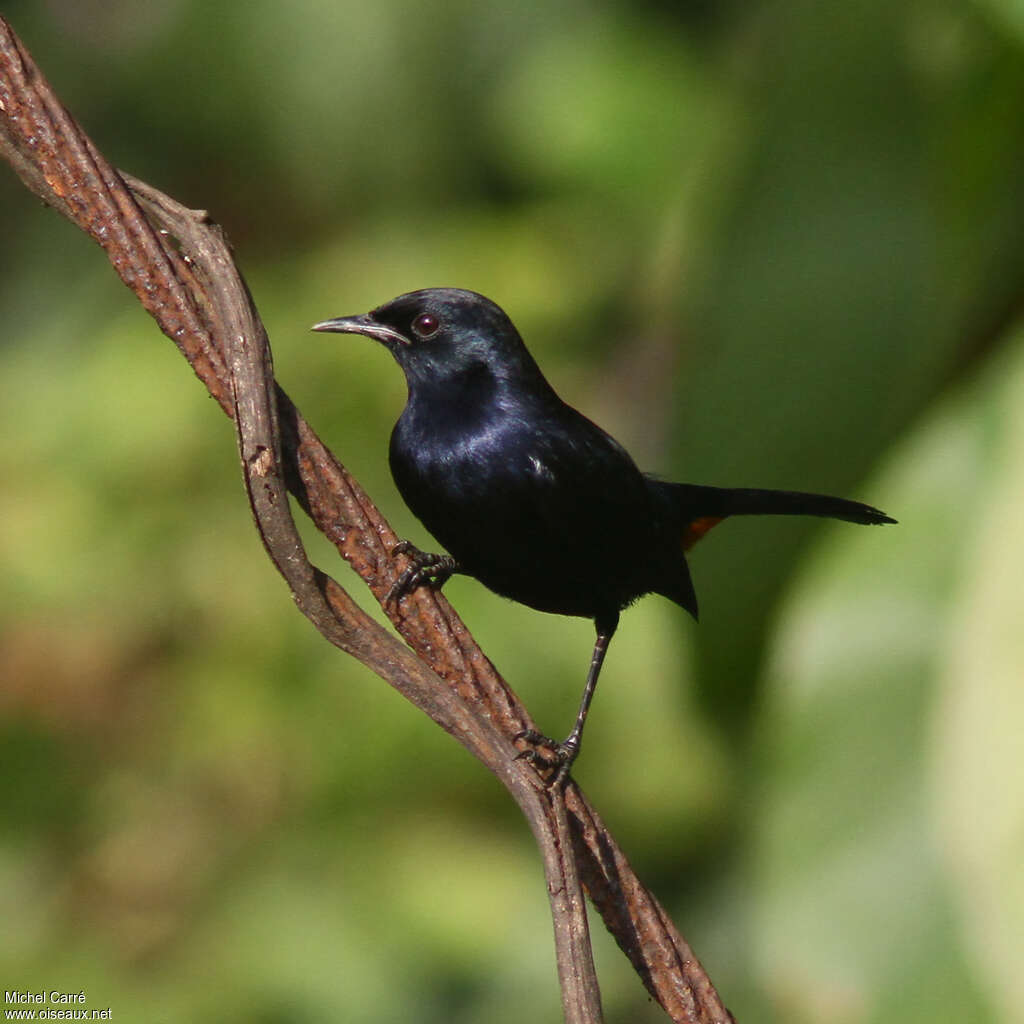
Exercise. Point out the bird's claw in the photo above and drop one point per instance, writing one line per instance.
(434, 569)
(559, 760)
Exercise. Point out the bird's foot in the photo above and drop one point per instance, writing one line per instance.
(429, 568)
(559, 760)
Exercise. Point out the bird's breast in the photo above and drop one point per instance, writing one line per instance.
(529, 505)
(444, 458)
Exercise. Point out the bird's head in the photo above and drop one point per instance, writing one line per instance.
(438, 334)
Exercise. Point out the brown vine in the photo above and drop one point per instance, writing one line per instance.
(178, 264)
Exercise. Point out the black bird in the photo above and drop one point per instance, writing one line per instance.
(528, 495)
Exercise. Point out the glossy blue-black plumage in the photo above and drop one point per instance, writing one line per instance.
(526, 493)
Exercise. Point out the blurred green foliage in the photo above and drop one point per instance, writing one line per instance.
(772, 244)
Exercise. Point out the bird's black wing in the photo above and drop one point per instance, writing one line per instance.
(540, 505)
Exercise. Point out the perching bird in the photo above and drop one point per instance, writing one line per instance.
(528, 495)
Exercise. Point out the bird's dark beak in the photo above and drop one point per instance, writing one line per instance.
(364, 324)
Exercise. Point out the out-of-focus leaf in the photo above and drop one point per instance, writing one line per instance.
(978, 741)
(858, 262)
(856, 918)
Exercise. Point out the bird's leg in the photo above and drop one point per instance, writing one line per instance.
(426, 568)
(568, 750)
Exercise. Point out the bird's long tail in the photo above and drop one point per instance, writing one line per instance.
(700, 508)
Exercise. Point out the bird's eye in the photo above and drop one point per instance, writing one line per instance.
(426, 325)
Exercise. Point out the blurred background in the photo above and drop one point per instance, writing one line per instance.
(765, 243)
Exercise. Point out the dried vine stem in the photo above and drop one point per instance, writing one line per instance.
(179, 265)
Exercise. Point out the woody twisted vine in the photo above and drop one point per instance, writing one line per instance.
(180, 267)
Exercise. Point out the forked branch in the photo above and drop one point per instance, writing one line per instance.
(179, 265)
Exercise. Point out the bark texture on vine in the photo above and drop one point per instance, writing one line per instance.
(180, 267)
